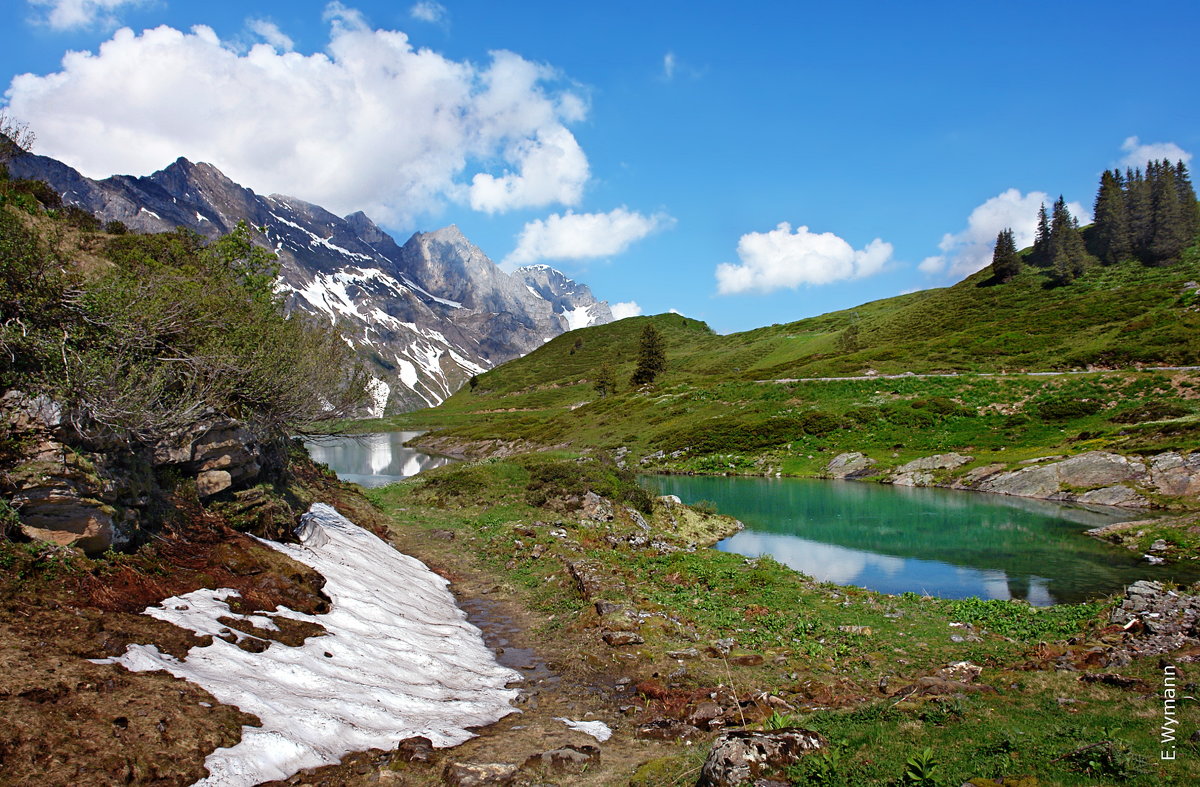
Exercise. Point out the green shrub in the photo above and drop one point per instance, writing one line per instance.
(1151, 411)
(1065, 408)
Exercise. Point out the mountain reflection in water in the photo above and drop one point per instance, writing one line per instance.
(931, 541)
(372, 460)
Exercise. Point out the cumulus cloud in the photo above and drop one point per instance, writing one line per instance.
(75, 14)
(577, 236)
(625, 309)
(270, 32)
(1137, 153)
(970, 250)
(370, 123)
(782, 259)
(428, 11)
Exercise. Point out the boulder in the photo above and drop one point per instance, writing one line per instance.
(919, 472)
(478, 774)
(597, 508)
(1176, 474)
(850, 466)
(222, 452)
(740, 756)
(617, 639)
(1091, 471)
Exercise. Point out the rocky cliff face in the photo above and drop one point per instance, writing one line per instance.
(426, 315)
(85, 492)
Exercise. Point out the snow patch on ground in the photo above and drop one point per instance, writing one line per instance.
(597, 729)
(399, 659)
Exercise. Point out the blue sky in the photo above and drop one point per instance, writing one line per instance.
(669, 154)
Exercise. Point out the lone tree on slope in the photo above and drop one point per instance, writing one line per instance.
(651, 361)
(606, 381)
(1005, 261)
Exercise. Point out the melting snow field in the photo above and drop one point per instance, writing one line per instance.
(399, 660)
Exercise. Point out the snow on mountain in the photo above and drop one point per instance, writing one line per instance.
(425, 316)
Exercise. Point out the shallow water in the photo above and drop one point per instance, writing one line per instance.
(931, 541)
(372, 460)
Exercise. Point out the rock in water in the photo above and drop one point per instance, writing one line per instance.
(739, 756)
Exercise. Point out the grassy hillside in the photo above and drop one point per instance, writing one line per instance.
(721, 404)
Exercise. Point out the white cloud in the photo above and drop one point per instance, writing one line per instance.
(1137, 154)
(576, 236)
(75, 14)
(625, 309)
(551, 167)
(370, 123)
(669, 66)
(428, 11)
(970, 250)
(270, 32)
(784, 259)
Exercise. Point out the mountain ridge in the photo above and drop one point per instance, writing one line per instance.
(427, 314)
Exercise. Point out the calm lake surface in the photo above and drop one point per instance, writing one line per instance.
(935, 541)
(372, 459)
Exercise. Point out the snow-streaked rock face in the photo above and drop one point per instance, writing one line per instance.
(399, 659)
(426, 315)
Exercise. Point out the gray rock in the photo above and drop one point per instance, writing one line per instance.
(740, 756)
(1176, 474)
(1114, 496)
(478, 774)
(1090, 471)
(597, 508)
(918, 472)
(850, 466)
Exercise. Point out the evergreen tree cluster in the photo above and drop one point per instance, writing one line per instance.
(1006, 263)
(1151, 216)
(1058, 243)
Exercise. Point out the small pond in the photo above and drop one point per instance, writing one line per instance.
(931, 541)
(372, 459)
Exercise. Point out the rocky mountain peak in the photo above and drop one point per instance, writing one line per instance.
(425, 316)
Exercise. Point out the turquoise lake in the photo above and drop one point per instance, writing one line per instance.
(931, 541)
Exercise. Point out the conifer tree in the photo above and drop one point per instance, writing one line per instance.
(1187, 198)
(1137, 209)
(1169, 223)
(1041, 240)
(1068, 256)
(606, 381)
(1005, 262)
(652, 360)
(1110, 240)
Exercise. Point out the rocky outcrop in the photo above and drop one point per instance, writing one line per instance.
(1095, 478)
(740, 756)
(919, 472)
(850, 466)
(220, 452)
(95, 493)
